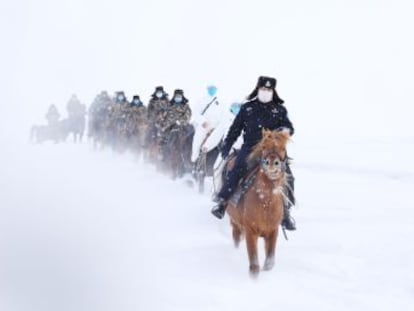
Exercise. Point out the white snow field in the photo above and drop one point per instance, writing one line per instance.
(82, 230)
(88, 230)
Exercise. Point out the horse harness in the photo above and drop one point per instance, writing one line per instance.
(253, 169)
(283, 162)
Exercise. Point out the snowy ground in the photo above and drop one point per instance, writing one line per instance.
(87, 230)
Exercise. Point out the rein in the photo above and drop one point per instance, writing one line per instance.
(283, 168)
(283, 161)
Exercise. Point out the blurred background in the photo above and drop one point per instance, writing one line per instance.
(86, 230)
(350, 61)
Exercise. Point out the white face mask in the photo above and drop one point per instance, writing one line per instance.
(178, 99)
(265, 96)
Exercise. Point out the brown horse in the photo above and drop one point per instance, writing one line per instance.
(177, 150)
(260, 212)
(152, 144)
(139, 140)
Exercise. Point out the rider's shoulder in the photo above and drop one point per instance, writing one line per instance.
(281, 108)
(247, 106)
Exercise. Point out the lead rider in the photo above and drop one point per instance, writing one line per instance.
(264, 110)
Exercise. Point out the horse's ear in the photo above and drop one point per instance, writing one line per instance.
(266, 134)
(282, 137)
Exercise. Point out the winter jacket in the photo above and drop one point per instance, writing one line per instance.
(136, 118)
(206, 124)
(210, 115)
(220, 131)
(253, 117)
(157, 106)
(52, 116)
(75, 108)
(179, 114)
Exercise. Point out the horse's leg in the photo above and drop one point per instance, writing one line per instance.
(251, 242)
(270, 247)
(180, 160)
(237, 233)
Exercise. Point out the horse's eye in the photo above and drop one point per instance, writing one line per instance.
(276, 163)
(267, 162)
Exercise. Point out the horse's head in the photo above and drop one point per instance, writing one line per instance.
(271, 152)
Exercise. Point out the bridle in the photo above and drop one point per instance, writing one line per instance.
(283, 161)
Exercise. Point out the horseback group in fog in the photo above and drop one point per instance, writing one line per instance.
(241, 145)
(57, 129)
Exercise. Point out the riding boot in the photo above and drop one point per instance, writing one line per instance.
(220, 209)
(288, 222)
(230, 183)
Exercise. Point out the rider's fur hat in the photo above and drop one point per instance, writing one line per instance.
(266, 82)
(269, 83)
(120, 93)
(160, 88)
(179, 92)
(117, 94)
(134, 98)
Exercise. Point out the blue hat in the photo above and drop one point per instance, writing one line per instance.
(235, 108)
(212, 90)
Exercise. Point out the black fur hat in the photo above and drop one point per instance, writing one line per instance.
(269, 83)
(120, 93)
(266, 82)
(134, 98)
(159, 88)
(179, 92)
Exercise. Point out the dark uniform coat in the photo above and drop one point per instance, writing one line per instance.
(253, 117)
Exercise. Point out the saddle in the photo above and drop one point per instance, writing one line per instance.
(253, 167)
(246, 182)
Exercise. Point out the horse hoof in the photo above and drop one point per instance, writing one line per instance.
(254, 272)
(268, 265)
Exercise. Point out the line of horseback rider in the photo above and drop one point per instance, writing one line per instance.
(264, 109)
(123, 124)
(58, 129)
(170, 125)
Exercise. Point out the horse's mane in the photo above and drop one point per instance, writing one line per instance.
(270, 140)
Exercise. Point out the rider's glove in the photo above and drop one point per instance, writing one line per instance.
(224, 154)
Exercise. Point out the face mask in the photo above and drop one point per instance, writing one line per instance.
(136, 102)
(265, 96)
(121, 98)
(212, 90)
(178, 99)
(235, 108)
(159, 94)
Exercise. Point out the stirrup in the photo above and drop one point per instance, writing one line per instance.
(217, 199)
(219, 210)
(289, 223)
